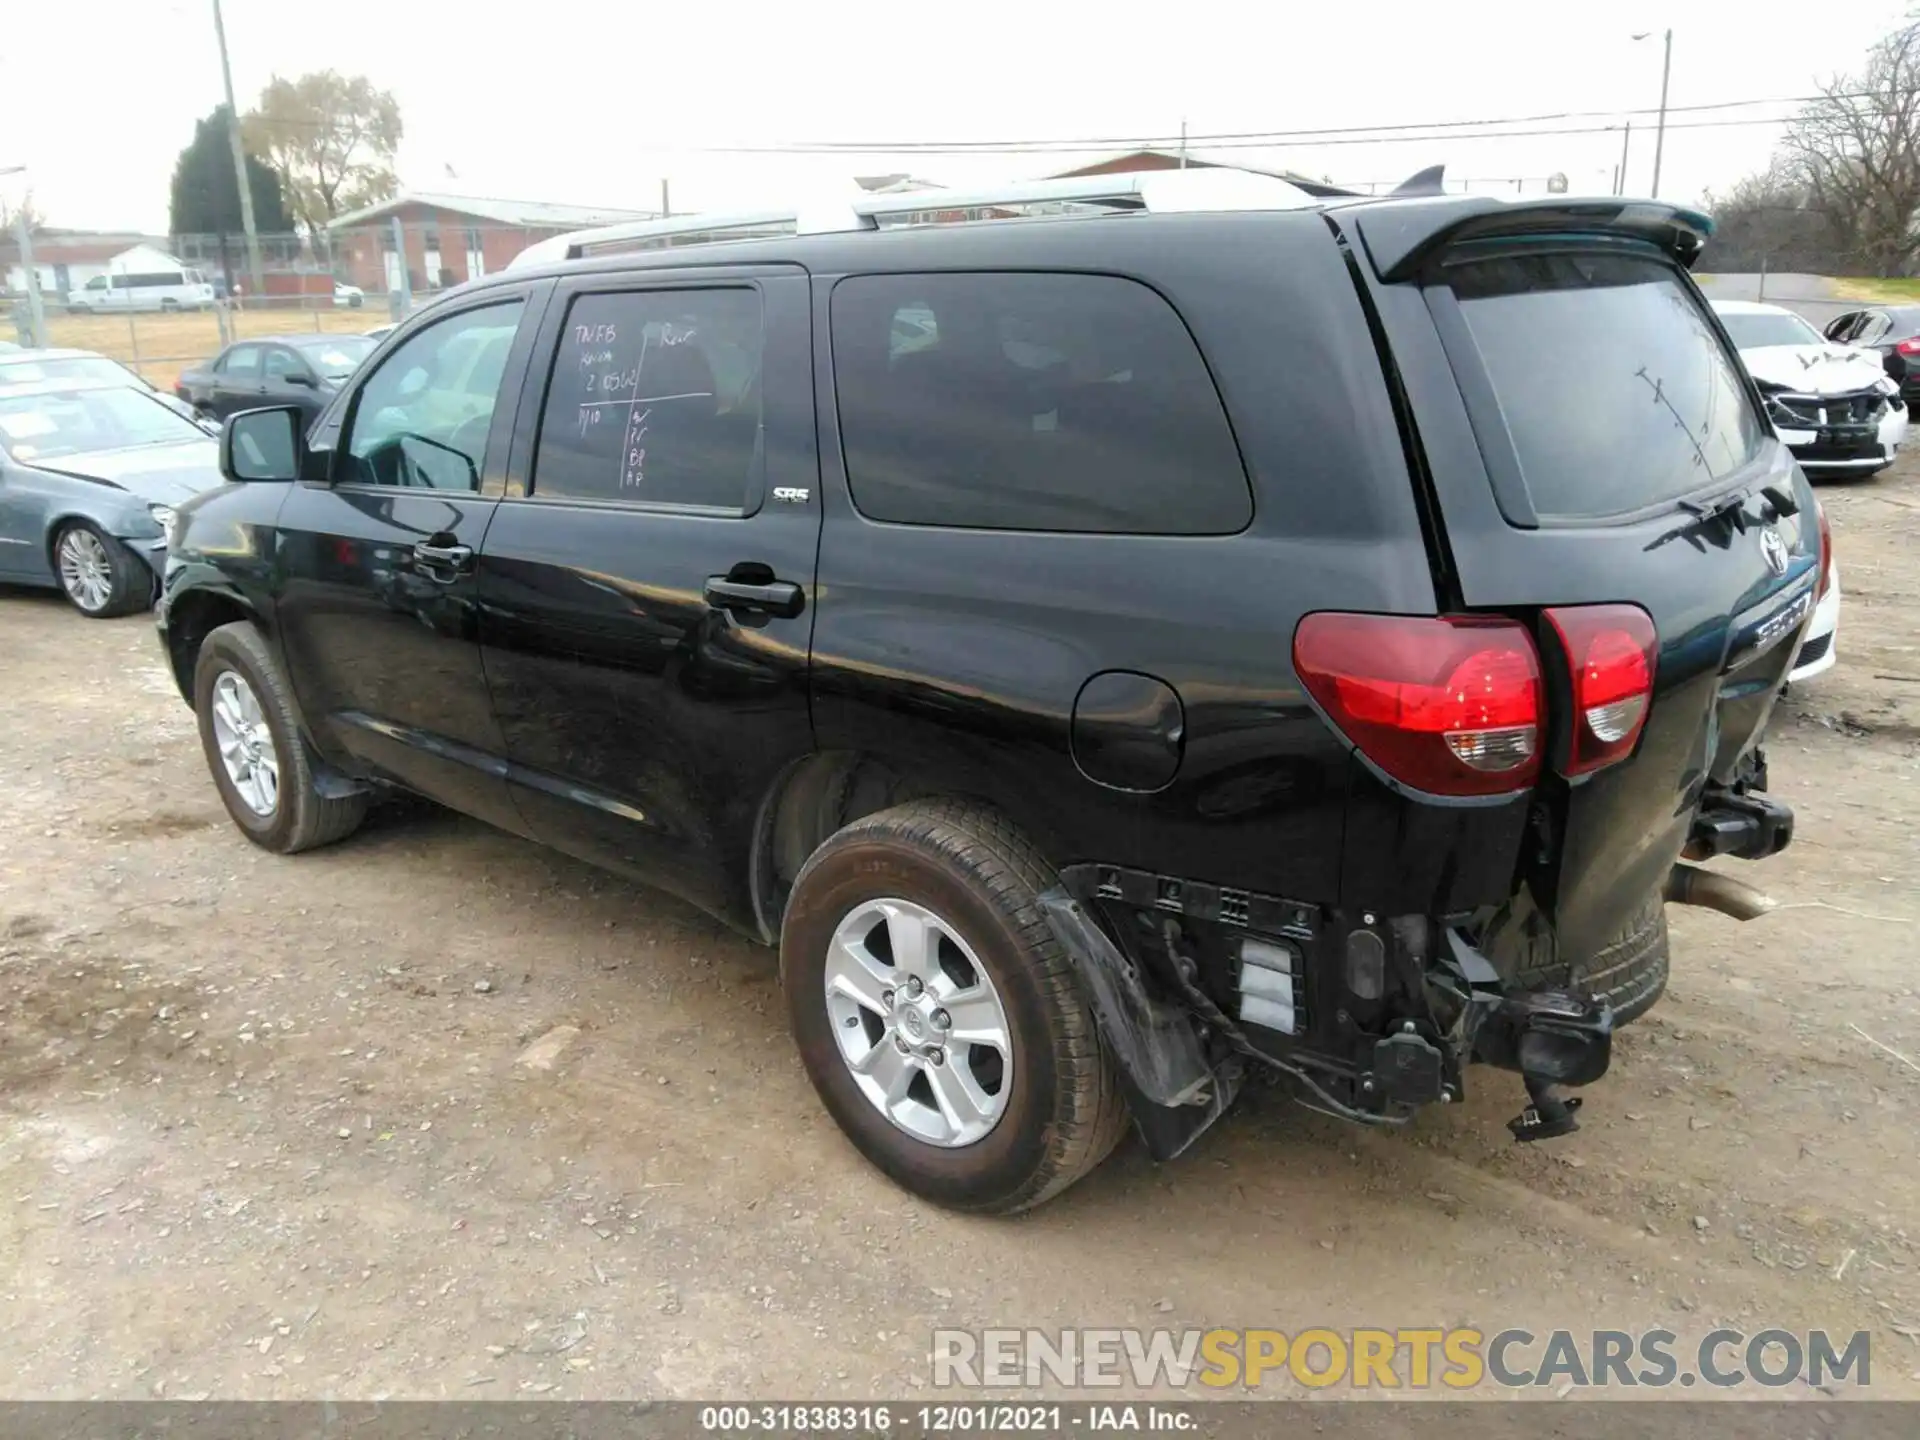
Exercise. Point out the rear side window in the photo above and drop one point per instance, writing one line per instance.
(1614, 389)
(655, 399)
(1030, 402)
(242, 361)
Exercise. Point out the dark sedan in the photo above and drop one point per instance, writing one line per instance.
(302, 370)
(1893, 330)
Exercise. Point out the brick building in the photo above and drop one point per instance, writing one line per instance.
(449, 239)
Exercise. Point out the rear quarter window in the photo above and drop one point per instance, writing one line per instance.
(1615, 391)
(1030, 402)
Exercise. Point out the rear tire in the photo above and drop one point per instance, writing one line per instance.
(246, 709)
(1629, 971)
(970, 870)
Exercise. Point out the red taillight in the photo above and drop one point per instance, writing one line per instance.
(1609, 652)
(1449, 705)
(1909, 347)
(1826, 554)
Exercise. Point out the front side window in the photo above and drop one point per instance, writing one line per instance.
(1030, 402)
(1634, 402)
(421, 419)
(654, 399)
(282, 362)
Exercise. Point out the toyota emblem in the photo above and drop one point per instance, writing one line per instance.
(1775, 551)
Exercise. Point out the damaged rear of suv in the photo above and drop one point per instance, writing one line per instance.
(1399, 776)
(1623, 557)
(1112, 655)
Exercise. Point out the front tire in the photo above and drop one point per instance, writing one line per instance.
(251, 737)
(98, 574)
(937, 1015)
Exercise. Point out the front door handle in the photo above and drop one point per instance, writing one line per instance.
(782, 598)
(457, 558)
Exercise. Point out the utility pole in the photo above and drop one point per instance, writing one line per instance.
(239, 159)
(1660, 130)
(1625, 141)
(666, 206)
(1183, 142)
(23, 233)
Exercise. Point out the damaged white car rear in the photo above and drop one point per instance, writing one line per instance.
(1834, 406)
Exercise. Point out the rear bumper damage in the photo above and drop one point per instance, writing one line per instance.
(1199, 989)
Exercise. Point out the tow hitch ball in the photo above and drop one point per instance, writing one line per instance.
(1552, 1039)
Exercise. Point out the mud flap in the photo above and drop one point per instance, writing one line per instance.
(1173, 1091)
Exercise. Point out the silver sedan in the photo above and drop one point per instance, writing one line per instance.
(90, 474)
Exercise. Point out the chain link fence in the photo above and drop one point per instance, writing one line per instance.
(345, 281)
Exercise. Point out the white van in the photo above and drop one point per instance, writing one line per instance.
(171, 289)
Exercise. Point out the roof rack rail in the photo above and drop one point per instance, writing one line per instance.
(1209, 188)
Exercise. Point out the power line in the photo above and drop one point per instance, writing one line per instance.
(1053, 147)
(1264, 137)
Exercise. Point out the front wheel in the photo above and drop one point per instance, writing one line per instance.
(937, 1015)
(253, 747)
(98, 574)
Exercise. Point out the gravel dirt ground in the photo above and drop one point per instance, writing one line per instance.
(435, 1113)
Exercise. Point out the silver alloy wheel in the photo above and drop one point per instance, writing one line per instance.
(918, 1023)
(246, 744)
(86, 572)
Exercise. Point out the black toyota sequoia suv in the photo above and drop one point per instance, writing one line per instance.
(1113, 653)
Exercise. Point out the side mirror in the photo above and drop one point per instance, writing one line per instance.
(301, 377)
(267, 444)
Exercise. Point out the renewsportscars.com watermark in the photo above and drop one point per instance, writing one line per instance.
(1402, 1359)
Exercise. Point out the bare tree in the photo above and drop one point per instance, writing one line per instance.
(1769, 222)
(1855, 154)
(10, 215)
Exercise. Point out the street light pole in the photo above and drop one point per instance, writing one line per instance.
(239, 157)
(1660, 130)
(1626, 141)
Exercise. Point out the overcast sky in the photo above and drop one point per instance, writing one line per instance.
(594, 104)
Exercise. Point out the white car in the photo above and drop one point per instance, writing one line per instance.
(1834, 406)
(1817, 648)
(170, 289)
(348, 296)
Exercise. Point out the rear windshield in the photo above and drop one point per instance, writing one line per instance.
(1612, 385)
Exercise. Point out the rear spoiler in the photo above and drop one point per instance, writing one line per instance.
(1401, 235)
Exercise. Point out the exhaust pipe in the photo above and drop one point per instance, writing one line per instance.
(1690, 885)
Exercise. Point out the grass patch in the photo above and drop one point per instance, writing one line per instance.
(1878, 292)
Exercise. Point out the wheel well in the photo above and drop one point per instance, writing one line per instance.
(190, 619)
(823, 794)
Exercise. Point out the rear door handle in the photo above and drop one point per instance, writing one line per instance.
(776, 597)
(457, 558)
